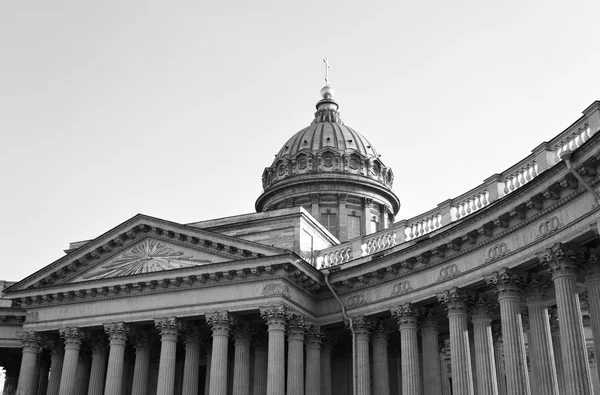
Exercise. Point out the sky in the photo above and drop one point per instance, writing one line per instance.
(173, 109)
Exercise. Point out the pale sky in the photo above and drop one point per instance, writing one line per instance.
(173, 109)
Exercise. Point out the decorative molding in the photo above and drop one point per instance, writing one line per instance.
(548, 227)
(448, 272)
(356, 301)
(401, 287)
(148, 256)
(32, 316)
(496, 252)
(275, 289)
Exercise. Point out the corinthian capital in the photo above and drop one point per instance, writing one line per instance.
(562, 259)
(407, 315)
(220, 322)
(31, 341)
(72, 336)
(506, 283)
(168, 327)
(275, 316)
(455, 301)
(362, 325)
(117, 332)
(482, 307)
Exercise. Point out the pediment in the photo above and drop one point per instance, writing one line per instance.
(141, 246)
(148, 256)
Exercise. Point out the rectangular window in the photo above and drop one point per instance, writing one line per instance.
(353, 226)
(329, 221)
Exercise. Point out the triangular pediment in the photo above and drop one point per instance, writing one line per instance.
(140, 246)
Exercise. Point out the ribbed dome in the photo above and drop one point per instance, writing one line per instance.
(327, 134)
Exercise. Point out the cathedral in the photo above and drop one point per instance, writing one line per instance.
(323, 292)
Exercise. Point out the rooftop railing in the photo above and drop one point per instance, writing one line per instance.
(543, 157)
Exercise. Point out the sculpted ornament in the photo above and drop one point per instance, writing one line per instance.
(276, 289)
(356, 301)
(362, 325)
(448, 272)
(548, 227)
(220, 322)
(148, 256)
(562, 259)
(168, 326)
(505, 282)
(117, 331)
(402, 287)
(31, 341)
(32, 316)
(407, 315)
(275, 316)
(497, 252)
(71, 336)
(455, 301)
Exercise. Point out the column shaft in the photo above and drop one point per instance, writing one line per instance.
(485, 365)
(260, 371)
(98, 369)
(541, 358)
(295, 374)
(592, 284)
(326, 368)
(208, 366)
(500, 373)
(517, 379)
(191, 366)
(56, 365)
(407, 317)
(220, 324)
(169, 328)
(72, 338)
(82, 375)
(241, 364)
(28, 374)
(117, 333)
(572, 341)
(432, 375)
(141, 368)
(381, 380)
(313, 366)
(275, 317)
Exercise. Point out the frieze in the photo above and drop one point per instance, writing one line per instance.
(276, 289)
(32, 316)
(548, 227)
(355, 301)
(448, 272)
(496, 252)
(402, 287)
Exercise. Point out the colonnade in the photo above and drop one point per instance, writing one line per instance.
(295, 355)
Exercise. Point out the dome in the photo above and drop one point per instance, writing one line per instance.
(327, 160)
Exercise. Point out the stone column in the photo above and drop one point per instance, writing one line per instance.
(43, 373)
(408, 316)
(141, 367)
(275, 317)
(83, 372)
(260, 368)
(208, 365)
(508, 286)
(314, 206)
(443, 368)
(295, 365)
(455, 301)
(432, 383)
(499, 358)
(594, 371)
(366, 217)
(241, 364)
(191, 365)
(220, 323)
(313, 362)
(73, 338)
(541, 355)
(325, 365)
(117, 335)
(56, 365)
(342, 217)
(562, 261)
(558, 361)
(381, 376)
(485, 364)
(591, 268)
(362, 329)
(98, 369)
(32, 347)
(168, 328)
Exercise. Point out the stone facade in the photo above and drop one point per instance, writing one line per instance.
(493, 292)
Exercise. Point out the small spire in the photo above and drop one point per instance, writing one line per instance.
(327, 67)
(327, 108)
